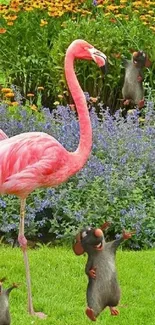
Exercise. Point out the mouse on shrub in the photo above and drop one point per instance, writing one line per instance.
(5, 318)
(103, 289)
(133, 90)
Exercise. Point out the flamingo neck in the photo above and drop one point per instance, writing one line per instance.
(85, 143)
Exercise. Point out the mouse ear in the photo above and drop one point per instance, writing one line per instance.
(78, 249)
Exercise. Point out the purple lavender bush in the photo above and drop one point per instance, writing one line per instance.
(116, 184)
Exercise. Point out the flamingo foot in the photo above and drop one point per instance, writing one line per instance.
(90, 314)
(114, 311)
(40, 315)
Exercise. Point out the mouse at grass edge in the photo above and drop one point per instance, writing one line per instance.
(103, 289)
(5, 318)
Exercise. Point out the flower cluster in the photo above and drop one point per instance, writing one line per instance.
(121, 9)
(117, 182)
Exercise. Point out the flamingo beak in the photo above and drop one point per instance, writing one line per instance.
(100, 59)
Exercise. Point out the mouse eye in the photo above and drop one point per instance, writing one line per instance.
(84, 234)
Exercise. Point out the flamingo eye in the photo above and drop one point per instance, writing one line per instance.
(84, 234)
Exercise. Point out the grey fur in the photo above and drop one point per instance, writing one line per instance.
(132, 88)
(5, 318)
(104, 290)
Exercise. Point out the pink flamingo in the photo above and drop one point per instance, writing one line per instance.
(35, 159)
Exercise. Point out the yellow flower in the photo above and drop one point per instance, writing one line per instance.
(6, 90)
(30, 95)
(43, 22)
(141, 119)
(40, 88)
(9, 95)
(28, 9)
(11, 17)
(56, 103)
(153, 28)
(33, 107)
(131, 111)
(60, 96)
(10, 23)
(93, 99)
(14, 103)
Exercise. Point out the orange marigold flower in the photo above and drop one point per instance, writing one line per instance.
(9, 95)
(6, 90)
(2, 30)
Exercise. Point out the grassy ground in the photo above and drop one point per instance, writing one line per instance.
(59, 285)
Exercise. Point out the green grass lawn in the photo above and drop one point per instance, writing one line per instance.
(59, 285)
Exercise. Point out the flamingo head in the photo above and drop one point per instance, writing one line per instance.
(83, 50)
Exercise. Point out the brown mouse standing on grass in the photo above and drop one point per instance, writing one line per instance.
(5, 318)
(103, 289)
(133, 90)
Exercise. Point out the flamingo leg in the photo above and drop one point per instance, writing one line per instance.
(23, 244)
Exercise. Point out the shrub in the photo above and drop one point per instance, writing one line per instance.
(117, 183)
(41, 41)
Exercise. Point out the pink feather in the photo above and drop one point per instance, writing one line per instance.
(35, 159)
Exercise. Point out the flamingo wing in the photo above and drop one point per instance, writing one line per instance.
(29, 162)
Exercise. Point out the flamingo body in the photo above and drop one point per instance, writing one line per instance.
(35, 159)
(32, 160)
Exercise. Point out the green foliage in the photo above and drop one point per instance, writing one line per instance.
(24, 54)
(114, 39)
(32, 55)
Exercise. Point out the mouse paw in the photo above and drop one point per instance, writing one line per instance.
(126, 102)
(139, 79)
(92, 273)
(90, 314)
(114, 311)
(141, 104)
(128, 235)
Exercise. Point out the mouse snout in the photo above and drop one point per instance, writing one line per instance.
(98, 233)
